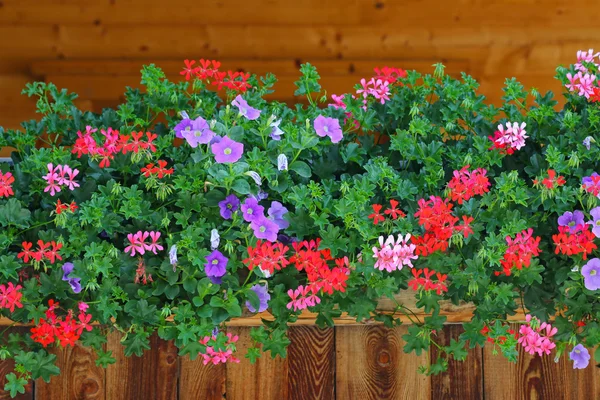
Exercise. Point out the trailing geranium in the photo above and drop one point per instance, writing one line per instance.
(185, 207)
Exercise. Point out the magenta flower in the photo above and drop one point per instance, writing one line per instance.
(302, 298)
(585, 56)
(264, 228)
(52, 179)
(263, 297)
(595, 213)
(154, 246)
(591, 274)
(198, 133)
(228, 206)
(276, 213)
(513, 136)
(245, 110)
(574, 220)
(216, 264)
(67, 176)
(252, 210)
(325, 126)
(580, 357)
(227, 150)
(137, 243)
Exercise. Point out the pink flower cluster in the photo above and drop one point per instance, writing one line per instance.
(377, 88)
(585, 56)
(394, 254)
(59, 176)
(138, 242)
(303, 297)
(581, 83)
(219, 356)
(10, 296)
(513, 136)
(536, 338)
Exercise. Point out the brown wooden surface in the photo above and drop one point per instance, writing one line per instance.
(201, 381)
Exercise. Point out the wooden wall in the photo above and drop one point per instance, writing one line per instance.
(345, 363)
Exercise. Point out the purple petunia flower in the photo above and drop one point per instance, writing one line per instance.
(595, 213)
(325, 126)
(75, 283)
(580, 357)
(216, 264)
(252, 210)
(198, 133)
(264, 228)
(282, 162)
(255, 176)
(276, 132)
(228, 206)
(227, 150)
(184, 125)
(587, 142)
(263, 296)
(276, 212)
(245, 110)
(591, 274)
(571, 219)
(216, 280)
(261, 195)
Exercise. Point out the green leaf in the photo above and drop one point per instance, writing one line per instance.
(14, 385)
(241, 186)
(13, 214)
(301, 168)
(104, 358)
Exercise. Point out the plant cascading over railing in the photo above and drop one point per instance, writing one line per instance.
(198, 201)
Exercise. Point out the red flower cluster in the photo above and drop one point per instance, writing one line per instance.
(6, 181)
(591, 184)
(113, 144)
(581, 241)
(389, 74)
(393, 212)
(466, 184)
(500, 339)
(520, 251)
(551, 181)
(67, 331)
(60, 207)
(267, 256)
(314, 262)
(595, 96)
(435, 215)
(503, 148)
(209, 70)
(426, 282)
(159, 171)
(10, 296)
(45, 250)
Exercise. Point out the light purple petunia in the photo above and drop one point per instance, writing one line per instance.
(184, 125)
(572, 219)
(245, 110)
(325, 126)
(216, 264)
(580, 357)
(263, 296)
(261, 195)
(282, 162)
(215, 239)
(228, 206)
(198, 133)
(255, 177)
(276, 132)
(595, 213)
(75, 283)
(252, 210)
(587, 142)
(227, 150)
(276, 212)
(591, 274)
(264, 228)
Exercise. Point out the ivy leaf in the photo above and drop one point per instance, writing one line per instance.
(44, 366)
(13, 214)
(136, 343)
(14, 385)
(104, 358)
(415, 340)
(333, 239)
(457, 349)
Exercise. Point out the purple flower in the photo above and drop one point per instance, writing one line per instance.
(264, 228)
(282, 162)
(173, 256)
(276, 132)
(227, 150)
(261, 195)
(198, 133)
(216, 264)
(255, 176)
(75, 283)
(245, 110)
(263, 297)
(276, 212)
(215, 239)
(595, 213)
(580, 357)
(587, 142)
(572, 220)
(591, 274)
(184, 125)
(252, 210)
(228, 206)
(326, 126)
(216, 280)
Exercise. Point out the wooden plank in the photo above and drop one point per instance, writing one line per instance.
(463, 379)
(79, 377)
(267, 379)
(370, 364)
(152, 376)
(311, 363)
(198, 381)
(534, 377)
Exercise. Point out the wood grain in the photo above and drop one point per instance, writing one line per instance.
(79, 377)
(265, 380)
(152, 376)
(198, 381)
(370, 364)
(311, 365)
(469, 373)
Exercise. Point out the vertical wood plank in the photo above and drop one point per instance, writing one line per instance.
(534, 377)
(152, 376)
(79, 377)
(370, 364)
(265, 380)
(199, 381)
(311, 360)
(463, 379)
